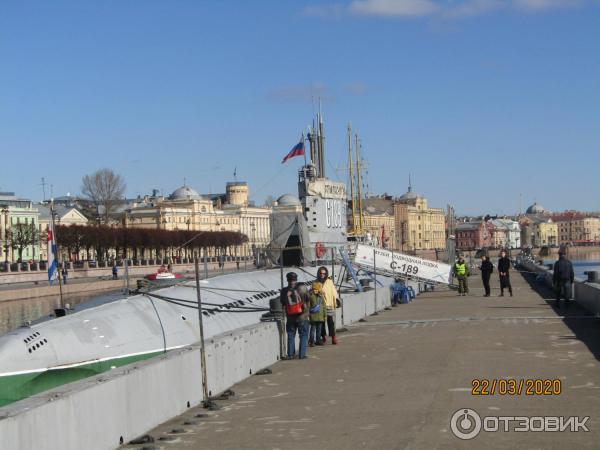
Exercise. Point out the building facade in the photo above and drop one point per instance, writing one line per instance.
(507, 233)
(475, 235)
(186, 209)
(63, 215)
(576, 228)
(18, 220)
(544, 232)
(418, 227)
(379, 224)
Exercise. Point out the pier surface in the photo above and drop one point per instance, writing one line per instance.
(395, 381)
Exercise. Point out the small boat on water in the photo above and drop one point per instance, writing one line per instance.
(163, 274)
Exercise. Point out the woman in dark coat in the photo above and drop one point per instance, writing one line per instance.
(503, 268)
(486, 271)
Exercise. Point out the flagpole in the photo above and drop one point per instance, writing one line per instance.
(302, 140)
(58, 269)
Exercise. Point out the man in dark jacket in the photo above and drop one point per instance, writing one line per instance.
(486, 271)
(294, 300)
(563, 277)
(503, 268)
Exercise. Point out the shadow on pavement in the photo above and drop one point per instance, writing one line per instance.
(585, 329)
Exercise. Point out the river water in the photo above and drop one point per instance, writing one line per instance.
(15, 313)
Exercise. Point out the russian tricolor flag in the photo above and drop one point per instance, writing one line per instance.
(297, 150)
(52, 262)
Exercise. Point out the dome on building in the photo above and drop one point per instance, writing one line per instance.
(288, 200)
(184, 193)
(536, 209)
(409, 195)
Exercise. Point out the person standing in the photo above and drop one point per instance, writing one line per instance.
(564, 276)
(115, 271)
(503, 271)
(317, 315)
(330, 296)
(461, 270)
(65, 272)
(294, 300)
(397, 288)
(486, 272)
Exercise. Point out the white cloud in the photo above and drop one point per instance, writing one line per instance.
(445, 9)
(302, 92)
(335, 11)
(394, 8)
(474, 8)
(355, 88)
(542, 5)
(315, 91)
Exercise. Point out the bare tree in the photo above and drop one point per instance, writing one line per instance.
(104, 188)
(269, 201)
(21, 236)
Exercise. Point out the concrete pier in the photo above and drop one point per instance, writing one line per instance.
(395, 381)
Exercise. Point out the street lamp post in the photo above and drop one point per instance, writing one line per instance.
(5, 212)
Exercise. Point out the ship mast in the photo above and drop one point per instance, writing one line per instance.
(359, 182)
(313, 145)
(351, 176)
(321, 145)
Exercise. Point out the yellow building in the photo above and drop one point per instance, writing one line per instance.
(417, 226)
(586, 229)
(544, 232)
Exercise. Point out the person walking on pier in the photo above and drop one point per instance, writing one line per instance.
(461, 270)
(294, 300)
(317, 315)
(486, 272)
(503, 271)
(330, 296)
(564, 276)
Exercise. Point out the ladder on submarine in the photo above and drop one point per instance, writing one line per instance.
(350, 270)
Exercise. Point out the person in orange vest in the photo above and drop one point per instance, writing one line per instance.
(461, 270)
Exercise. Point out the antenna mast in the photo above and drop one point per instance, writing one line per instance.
(43, 183)
(359, 182)
(351, 177)
(313, 145)
(321, 139)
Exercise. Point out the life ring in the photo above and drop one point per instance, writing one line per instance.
(320, 250)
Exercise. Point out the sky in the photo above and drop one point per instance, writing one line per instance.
(484, 102)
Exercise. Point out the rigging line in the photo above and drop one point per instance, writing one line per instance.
(162, 328)
(227, 289)
(235, 308)
(192, 302)
(225, 295)
(277, 174)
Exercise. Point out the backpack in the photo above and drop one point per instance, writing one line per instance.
(294, 303)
